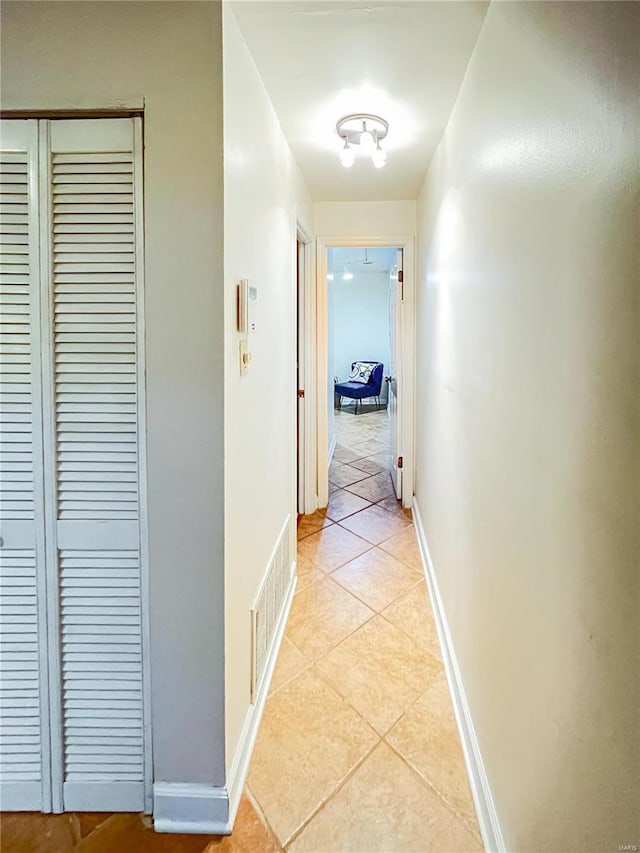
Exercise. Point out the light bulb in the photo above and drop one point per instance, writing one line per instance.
(329, 276)
(379, 157)
(367, 142)
(347, 276)
(346, 156)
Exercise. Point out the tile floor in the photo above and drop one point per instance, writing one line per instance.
(358, 748)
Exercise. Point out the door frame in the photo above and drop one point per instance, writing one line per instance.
(306, 450)
(407, 244)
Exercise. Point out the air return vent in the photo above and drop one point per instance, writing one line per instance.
(268, 608)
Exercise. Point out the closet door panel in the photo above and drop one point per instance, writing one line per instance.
(97, 466)
(24, 725)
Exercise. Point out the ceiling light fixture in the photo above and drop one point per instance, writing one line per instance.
(365, 131)
(347, 275)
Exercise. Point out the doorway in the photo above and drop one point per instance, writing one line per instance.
(360, 336)
(335, 261)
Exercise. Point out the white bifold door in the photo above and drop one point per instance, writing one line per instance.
(73, 679)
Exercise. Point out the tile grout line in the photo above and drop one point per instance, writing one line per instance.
(426, 780)
(297, 832)
(370, 606)
(255, 803)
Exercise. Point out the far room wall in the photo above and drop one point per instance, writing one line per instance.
(360, 322)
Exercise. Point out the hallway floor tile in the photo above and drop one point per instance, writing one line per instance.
(361, 645)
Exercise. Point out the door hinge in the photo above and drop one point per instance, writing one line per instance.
(400, 277)
(300, 392)
(400, 460)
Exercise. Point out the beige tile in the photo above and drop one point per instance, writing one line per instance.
(374, 488)
(376, 578)
(308, 742)
(344, 455)
(307, 572)
(404, 546)
(290, 663)
(332, 547)
(371, 447)
(427, 737)
(385, 806)
(344, 475)
(322, 615)
(380, 671)
(372, 464)
(412, 614)
(343, 503)
(392, 504)
(375, 524)
(313, 522)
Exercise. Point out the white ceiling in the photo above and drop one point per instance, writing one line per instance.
(322, 59)
(379, 260)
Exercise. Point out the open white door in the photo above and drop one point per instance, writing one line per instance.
(300, 368)
(395, 372)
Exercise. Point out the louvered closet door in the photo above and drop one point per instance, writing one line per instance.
(95, 213)
(24, 727)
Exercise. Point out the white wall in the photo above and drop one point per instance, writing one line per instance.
(264, 194)
(527, 413)
(365, 219)
(360, 322)
(72, 55)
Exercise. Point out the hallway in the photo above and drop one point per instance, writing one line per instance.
(358, 748)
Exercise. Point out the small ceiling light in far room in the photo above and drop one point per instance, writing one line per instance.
(347, 275)
(329, 276)
(346, 155)
(362, 132)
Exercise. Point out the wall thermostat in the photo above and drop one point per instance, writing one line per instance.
(247, 300)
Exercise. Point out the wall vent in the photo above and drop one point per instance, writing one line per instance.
(268, 607)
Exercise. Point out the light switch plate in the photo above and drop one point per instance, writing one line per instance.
(245, 357)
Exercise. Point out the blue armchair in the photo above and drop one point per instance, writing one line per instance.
(365, 381)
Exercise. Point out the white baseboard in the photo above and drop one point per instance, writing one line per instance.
(208, 809)
(240, 764)
(332, 447)
(179, 807)
(485, 807)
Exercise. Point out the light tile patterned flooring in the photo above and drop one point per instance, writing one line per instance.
(358, 748)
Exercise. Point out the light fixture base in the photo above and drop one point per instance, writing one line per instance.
(351, 127)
